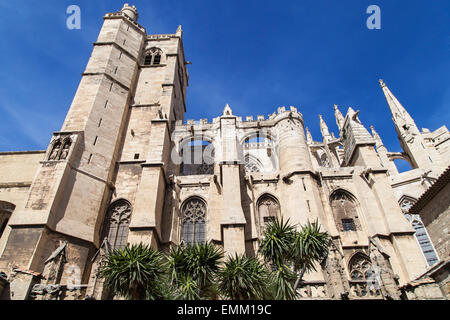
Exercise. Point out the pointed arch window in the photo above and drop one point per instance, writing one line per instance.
(153, 57)
(197, 157)
(364, 278)
(345, 211)
(360, 267)
(423, 239)
(268, 210)
(324, 162)
(193, 228)
(117, 223)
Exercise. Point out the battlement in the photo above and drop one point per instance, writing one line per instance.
(248, 119)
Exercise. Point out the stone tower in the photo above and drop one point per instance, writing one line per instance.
(119, 123)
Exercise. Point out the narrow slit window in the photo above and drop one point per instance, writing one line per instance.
(100, 122)
(95, 140)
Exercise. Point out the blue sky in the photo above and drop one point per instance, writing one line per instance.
(254, 55)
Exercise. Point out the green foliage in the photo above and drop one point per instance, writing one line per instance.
(310, 246)
(199, 264)
(135, 272)
(197, 271)
(282, 285)
(290, 252)
(244, 278)
(276, 245)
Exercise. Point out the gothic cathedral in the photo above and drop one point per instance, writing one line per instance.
(126, 168)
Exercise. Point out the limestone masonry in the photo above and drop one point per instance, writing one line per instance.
(126, 168)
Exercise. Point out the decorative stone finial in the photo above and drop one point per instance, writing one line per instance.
(323, 127)
(130, 11)
(227, 110)
(308, 135)
(179, 31)
(382, 84)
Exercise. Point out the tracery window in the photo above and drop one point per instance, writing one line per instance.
(153, 57)
(406, 203)
(268, 210)
(423, 239)
(251, 164)
(324, 162)
(360, 267)
(345, 211)
(197, 158)
(117, 223)
(194, 221)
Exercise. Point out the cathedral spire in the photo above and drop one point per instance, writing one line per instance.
(409, 135)
(324, 127)
(400, 116)
(377, 137)
(339, 117)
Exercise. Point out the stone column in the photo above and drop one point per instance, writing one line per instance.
(233, 219)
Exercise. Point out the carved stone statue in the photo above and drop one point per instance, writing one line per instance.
(55, 151)
(65, 151)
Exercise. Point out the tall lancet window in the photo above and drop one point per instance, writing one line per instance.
(268, 210)
(117, 223)
(194, 221)
(424, 240)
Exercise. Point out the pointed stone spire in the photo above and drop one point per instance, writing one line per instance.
(410, 137)
(179, 31)
(308, 135)
(377, 137)
(227, 111)
(382, 152)
(323, 127)
(339, 117)
(400, 116)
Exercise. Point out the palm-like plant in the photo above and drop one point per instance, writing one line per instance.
(276, 245)
(135, 272)
(244, 278)
(285, 248)
(310, 246)
(199, 264)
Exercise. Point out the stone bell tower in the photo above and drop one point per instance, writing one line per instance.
(75, 182)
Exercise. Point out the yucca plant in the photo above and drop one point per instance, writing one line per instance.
(310, 246)
(244, 278)
(197, 263)
(136, 272)
(276, 244)
(282, 283)
(292, 253)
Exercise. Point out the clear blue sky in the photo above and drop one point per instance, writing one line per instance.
(254, 55)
